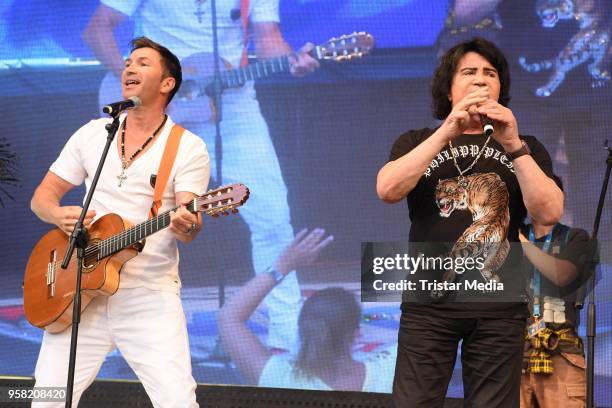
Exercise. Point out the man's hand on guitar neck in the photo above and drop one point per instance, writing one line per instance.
(302, 63)
(269, 43)
(184, 224)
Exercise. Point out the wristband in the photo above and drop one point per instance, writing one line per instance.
(520, 152)
(276, 275)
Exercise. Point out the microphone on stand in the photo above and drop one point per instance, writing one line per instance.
(115, 108)
(235, 14)
(487, 124)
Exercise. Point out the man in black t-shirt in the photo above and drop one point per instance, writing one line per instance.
(472, 191)
(554, 367)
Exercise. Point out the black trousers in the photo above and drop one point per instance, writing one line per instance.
(491, 358)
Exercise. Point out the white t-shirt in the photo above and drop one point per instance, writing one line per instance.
(156, 267)
(280, 372)
(175, 25)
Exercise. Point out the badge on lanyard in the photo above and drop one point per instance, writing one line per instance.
(536, 327)
(539, 324)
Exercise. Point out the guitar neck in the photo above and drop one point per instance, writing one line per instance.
(213, 203)
(260, 69)
(133, 235)
(342, 48)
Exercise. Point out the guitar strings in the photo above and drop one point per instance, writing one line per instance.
(124, 236)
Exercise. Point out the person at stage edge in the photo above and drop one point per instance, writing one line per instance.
(554, 372)
(248, 154)
(328, 328)
(467, 188)
(144, 319)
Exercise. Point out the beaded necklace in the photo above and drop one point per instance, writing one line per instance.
(125, 162)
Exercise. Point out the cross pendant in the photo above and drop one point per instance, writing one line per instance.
(199, 13)
(122, 177)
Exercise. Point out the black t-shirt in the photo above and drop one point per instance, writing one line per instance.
(570, 244)
(493, 202)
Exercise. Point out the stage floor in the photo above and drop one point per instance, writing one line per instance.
(378, 334)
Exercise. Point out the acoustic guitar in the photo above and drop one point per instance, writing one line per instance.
(192, 99)
(48, 290)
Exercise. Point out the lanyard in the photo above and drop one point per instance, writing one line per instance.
(537, 277)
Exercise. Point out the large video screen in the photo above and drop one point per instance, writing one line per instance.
(308, 147)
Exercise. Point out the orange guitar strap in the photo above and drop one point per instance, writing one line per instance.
(244, 16)
(165, 166)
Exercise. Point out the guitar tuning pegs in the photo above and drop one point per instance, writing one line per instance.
(214, 215)
(234, 211)
(225, 213)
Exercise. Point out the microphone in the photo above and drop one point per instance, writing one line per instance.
(235, 14)
(487, 124)
(117, 107)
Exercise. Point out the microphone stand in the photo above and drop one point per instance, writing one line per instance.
(217, 89)
(214, 92)
(79, 240)
(591, 322)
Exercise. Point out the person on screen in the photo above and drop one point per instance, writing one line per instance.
(468, 189)
(328, 325)
(559, 258)
(467, 19)
(32, 40)
(248, 154)
(144, 319)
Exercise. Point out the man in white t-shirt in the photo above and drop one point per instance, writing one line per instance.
(144, 319)
(247, 150)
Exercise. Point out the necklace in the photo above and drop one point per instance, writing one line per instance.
(199, 13)
(462, 181)
(125, 162)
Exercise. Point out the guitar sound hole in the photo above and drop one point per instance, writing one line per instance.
(91, 256)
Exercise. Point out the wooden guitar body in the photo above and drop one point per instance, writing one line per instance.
(48, 290)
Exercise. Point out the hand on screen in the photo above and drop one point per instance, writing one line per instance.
(302, 63)
(303, 250)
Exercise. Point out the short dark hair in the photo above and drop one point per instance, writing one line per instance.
(170, 62)
(443, 77)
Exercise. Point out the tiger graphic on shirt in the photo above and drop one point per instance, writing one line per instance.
(485, 195)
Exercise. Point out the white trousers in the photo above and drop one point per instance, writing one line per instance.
(249, 157)
(149, 329)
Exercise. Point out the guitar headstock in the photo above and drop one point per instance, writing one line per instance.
(222, 200)
(345, 47)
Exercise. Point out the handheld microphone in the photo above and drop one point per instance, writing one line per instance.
(117, 107)
(487, 124)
